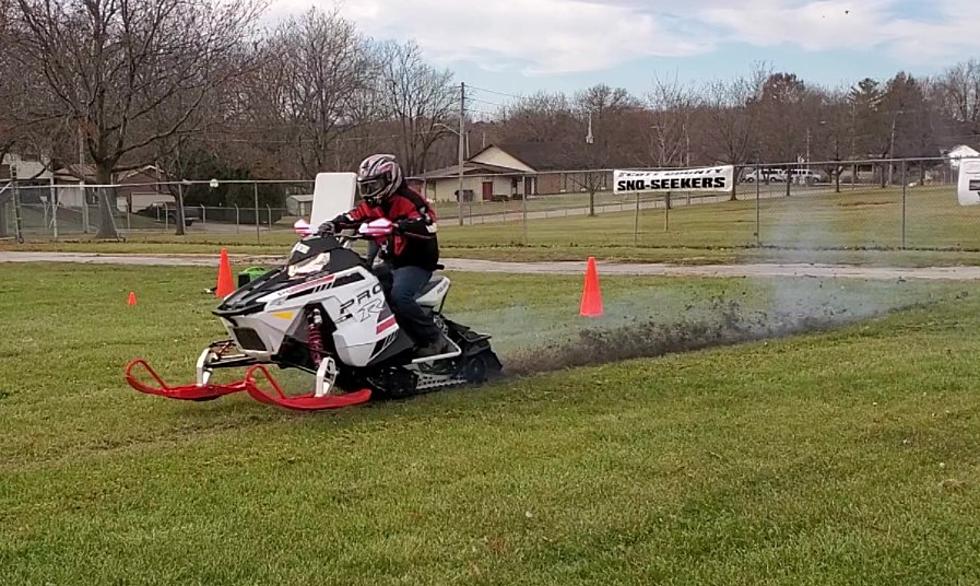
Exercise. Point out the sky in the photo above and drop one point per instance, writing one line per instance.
(521, 46)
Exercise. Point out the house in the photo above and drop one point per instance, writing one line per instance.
(23, 167)
(137, 189)
(512, 171)
(960, 152)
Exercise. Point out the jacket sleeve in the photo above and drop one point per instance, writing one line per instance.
(415, 217)
(355, 217)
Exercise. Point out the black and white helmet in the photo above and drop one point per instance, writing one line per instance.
(378, 177)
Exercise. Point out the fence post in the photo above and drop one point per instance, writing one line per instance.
(204, 217)
(758, 189)
(258, 227)
(269, 209)
(667, 212)
(54, 208)
(636, 221)
(166, 218)
(81, 188)
(523, 213)
(237, 218)
(18, 220)
(905, 188)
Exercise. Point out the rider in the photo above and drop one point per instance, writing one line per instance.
(412, 253)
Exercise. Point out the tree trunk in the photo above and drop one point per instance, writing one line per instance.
(837, 173)
(591, 201)
(107, 201)
(735, 175)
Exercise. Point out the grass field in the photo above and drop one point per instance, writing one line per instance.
(861, 226)
(842, 457)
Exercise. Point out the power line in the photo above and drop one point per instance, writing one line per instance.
(484, 102)
(484, 112)
(499, 93)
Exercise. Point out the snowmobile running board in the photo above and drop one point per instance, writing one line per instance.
(251, 384)
(450, 354)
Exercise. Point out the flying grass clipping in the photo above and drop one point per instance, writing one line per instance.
(701, 179)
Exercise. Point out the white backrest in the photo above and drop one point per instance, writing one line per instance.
(333, 194)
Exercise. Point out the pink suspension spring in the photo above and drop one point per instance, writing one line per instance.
(313, 337)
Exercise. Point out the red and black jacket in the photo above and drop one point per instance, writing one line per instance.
(414, 242)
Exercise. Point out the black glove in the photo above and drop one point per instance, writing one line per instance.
(328, 228)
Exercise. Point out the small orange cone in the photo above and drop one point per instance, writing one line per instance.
(591, 294)
(226, 284)
(132, 299)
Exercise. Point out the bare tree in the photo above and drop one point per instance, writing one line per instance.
(603, 109)
(958, 90)
(671, 106)
(318, 70)
(113, 63)
(541, 117)
(728, 118)
(417, 98)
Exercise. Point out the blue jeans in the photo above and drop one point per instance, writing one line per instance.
(405, 285)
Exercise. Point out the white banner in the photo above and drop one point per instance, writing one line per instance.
(703, 179)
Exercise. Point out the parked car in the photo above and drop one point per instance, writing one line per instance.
(770, 175)
(807, 176)
(159, 211)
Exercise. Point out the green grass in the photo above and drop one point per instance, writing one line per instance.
(846, 457)
(861, 226)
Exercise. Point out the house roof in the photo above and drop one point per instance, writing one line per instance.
(469, 168)
(545, 156)
(962, 149)
(76, 171)
(86, 172)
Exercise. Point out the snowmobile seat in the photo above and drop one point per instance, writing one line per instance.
(433, 294)
(434, 282)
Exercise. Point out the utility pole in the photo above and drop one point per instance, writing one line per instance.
(462, 139)
(807, 148)
(891, 147)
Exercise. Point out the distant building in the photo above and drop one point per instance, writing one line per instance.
(24, 168)
(960, 152)
(138, 189)
(513, 171)
(300, 205)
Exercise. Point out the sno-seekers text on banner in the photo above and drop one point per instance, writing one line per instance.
(703, 179)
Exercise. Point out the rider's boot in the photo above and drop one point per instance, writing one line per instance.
(434, 348)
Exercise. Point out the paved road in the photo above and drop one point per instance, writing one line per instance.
(964, 273)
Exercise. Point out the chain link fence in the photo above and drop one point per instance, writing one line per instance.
(32, 211)
(871, 204)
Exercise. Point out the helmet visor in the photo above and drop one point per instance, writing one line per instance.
(371, 188)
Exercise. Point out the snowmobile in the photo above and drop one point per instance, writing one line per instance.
(326, 312)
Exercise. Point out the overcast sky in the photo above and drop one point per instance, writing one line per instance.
(520, 46)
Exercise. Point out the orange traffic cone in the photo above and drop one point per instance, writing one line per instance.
(591, 294)
(226, 284)
(132, 299)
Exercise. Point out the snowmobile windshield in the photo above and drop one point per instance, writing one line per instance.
(312, 247)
